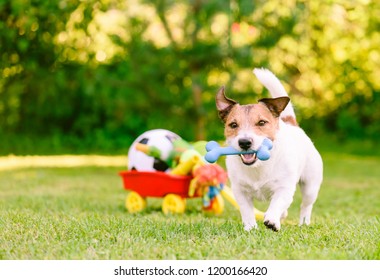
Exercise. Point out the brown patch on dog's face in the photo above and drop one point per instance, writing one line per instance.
(253, 118)
(290, 120)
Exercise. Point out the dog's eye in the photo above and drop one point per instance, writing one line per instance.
(233, 125)
(262, 123)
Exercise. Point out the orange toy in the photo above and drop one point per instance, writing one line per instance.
(208, 182)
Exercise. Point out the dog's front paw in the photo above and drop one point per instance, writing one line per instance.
(272, 224)
(248, 227)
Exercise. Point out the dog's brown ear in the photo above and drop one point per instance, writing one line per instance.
(223, 104)
(276, 105)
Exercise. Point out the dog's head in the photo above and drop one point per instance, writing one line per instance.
(246, 126)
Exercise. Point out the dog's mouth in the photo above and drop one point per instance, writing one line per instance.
(248, 159)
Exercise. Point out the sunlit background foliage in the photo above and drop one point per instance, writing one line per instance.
(83, 76)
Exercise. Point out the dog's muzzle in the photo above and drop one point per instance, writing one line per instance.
(245, 144)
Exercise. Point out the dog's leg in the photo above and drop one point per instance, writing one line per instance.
(310, 184)
(245, 202)
(309, 192)
(278, 207)
(284, 215)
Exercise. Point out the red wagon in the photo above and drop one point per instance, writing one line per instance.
(173, 189)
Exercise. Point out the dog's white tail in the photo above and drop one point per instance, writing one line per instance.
(276, 89)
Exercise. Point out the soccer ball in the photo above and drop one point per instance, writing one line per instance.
(159, 138)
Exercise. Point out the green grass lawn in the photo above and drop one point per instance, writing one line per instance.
(78, 213)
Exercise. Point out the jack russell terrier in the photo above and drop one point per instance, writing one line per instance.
(294, 159)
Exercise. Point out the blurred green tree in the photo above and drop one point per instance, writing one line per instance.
(92, 75)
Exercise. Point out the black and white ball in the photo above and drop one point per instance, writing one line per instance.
(159, 138)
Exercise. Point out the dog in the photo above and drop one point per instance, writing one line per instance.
(294, 158)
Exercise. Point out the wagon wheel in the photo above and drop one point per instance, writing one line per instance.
(135, 202)
(217, 205)
(173, 203)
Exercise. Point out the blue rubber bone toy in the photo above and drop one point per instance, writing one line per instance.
(214, 151)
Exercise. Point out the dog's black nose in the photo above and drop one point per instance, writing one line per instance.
(245, 143)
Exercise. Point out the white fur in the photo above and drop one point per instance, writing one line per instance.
(270, 81)
(294, 159)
